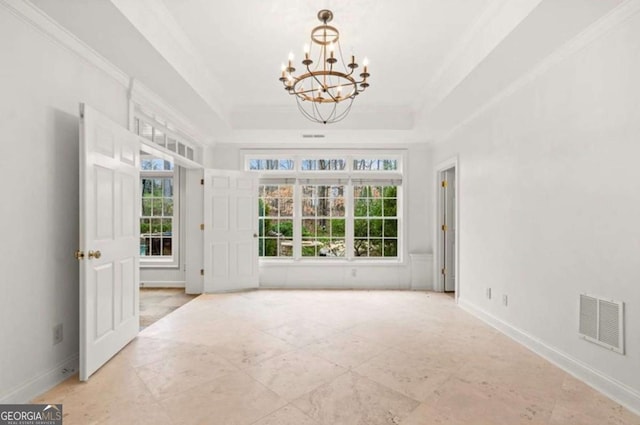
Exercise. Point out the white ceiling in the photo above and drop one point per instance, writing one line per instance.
(406, 41)
(433, 62)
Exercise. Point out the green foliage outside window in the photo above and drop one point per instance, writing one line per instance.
(275, 226)
(156, 222)
(375, 226)
(323, 222)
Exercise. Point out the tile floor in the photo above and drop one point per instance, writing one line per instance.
(155, 303)
(329, 358)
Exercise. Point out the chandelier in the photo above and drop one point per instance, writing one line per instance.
(326, 88)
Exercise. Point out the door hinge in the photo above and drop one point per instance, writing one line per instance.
(444, 228)
(202, 182)
(202, 226)
(201, 272)
(444, 183)
(444, 271)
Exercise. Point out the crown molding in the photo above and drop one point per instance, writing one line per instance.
(31, 14)
(601, 27)
(138, 93)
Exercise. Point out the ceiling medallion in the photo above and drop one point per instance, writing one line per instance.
(325, 92)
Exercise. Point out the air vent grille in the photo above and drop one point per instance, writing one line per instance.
(589, 316)
(602, 322)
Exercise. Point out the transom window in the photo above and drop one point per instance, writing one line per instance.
(271, 164)
(165, 138)
(375, 164)
(324, 207)
(323, 164)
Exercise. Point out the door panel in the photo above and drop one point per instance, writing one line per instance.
(230, 231)
(129, 200)
(244, 206)
(104, 305)
(220, 213)
(128, 308)
(220, 260)
(109, 209)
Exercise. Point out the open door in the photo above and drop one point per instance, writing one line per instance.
(109, 239)
(230, 231)
(448, 230)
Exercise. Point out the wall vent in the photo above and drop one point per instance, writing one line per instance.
(602, 322)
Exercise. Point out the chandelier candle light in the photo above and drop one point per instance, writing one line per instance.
(325, 92)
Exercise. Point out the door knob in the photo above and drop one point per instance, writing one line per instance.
(78, 254)
(94, 254)
(255, 235)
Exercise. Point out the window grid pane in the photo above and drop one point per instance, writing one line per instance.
(275, 226)
(271, 164)
(155, 134)
(156, 221)
(375, 164)
(323, 222)
(376, 224)
(323, 164)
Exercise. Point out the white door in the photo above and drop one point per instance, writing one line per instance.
(109, 239)
(449, 230)
(230, 231)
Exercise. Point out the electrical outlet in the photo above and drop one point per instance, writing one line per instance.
(354, 272)
(505, 300)
(489, 293)
(57, 334)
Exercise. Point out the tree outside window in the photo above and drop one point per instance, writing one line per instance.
(375, 221)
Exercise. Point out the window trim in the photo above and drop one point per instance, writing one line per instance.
(348, 155)
(350, 178)
(266, 157)
(174, 260)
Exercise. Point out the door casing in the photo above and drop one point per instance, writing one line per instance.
(440, 169)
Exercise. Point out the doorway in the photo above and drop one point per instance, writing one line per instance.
(447, 228)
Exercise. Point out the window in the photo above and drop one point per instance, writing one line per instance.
(375, 224)
(164, 138)
(323, 221)
(271, 164)
(318, 206)
(158, 210)
(323, 164)
(275, 210)
(375, 164)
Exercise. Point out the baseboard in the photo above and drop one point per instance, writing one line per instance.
(152, 284)
(42, 383)
(615, 390)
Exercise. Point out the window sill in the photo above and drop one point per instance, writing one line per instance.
(158, 264)
(275, 262)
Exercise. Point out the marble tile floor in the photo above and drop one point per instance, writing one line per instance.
(329, 358)
(155, 303)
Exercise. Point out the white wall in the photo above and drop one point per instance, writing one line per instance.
(41, 85)
(549, 187)
(417, 191)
